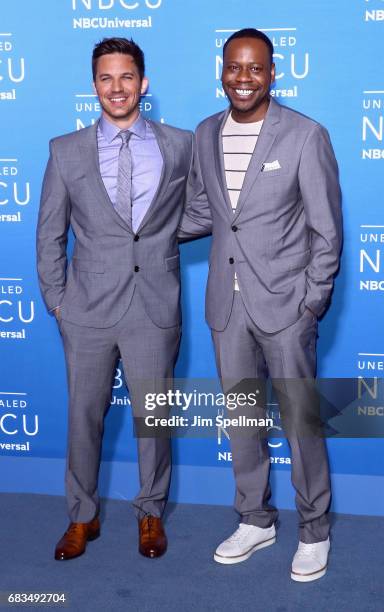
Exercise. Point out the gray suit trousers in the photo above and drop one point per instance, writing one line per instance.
(244, 351)
(148, 352)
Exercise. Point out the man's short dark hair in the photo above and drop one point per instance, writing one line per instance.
(118, 45)
(251, 33)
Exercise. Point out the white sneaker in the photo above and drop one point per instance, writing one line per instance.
(310, 561)
(243, 543)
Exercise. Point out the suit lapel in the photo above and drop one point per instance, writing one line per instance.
(263, 146)
(168, 156)
(219, 159)
(91, 158)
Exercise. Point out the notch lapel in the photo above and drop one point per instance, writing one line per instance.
(90, 156)
(264, 144)
(219, 160)
(168, 156)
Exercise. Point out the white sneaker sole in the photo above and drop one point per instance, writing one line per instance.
(308, 577)
(245, 556)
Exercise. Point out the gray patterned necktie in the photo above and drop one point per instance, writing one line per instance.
(123, 202)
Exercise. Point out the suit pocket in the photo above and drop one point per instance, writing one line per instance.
(275, 173)
(86, 265)
(171, 263)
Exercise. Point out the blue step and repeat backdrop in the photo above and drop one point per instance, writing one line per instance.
(329, 66)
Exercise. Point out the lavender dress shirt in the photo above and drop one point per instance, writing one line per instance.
(147, 163)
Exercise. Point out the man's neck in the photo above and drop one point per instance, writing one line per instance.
(253, 116)
(124, 123)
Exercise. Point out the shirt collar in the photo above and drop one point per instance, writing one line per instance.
(110, 130)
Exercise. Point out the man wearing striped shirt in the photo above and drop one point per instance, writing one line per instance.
(273, 208)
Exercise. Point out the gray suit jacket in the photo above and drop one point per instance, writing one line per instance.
(109, 260)
(284, 239)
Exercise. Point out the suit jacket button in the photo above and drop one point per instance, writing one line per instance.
(231, 260)
(234, 228)
(136, 237)
(136, 268)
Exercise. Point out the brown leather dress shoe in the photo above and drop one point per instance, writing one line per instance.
(74, 541)
(152, 538)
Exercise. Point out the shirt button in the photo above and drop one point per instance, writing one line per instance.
(136, 237)
(231, 260)
(136, 268)
(234, 228)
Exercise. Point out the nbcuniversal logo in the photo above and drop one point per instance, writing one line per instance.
(372, 124)
(16, 311)
(292, 64)
(17, 424)
(12, 68)
(130, 18)
(15, 192)
(371, 257)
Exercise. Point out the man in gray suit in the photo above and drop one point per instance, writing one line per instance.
(120, 185)
(271, 180)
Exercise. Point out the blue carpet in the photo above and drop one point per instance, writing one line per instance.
(113, 576)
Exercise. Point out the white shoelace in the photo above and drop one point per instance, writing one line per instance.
(305, 550)
(239, 534)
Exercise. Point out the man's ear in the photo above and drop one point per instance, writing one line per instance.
(273, 73)
(144, 85)
(94, 87)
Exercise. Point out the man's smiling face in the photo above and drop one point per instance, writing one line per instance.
(247, 76)
(119, 86)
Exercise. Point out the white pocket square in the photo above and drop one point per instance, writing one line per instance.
(268, 166)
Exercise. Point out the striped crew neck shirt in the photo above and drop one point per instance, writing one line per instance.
(239, 141)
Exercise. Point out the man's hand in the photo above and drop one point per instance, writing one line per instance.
(57, 314)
